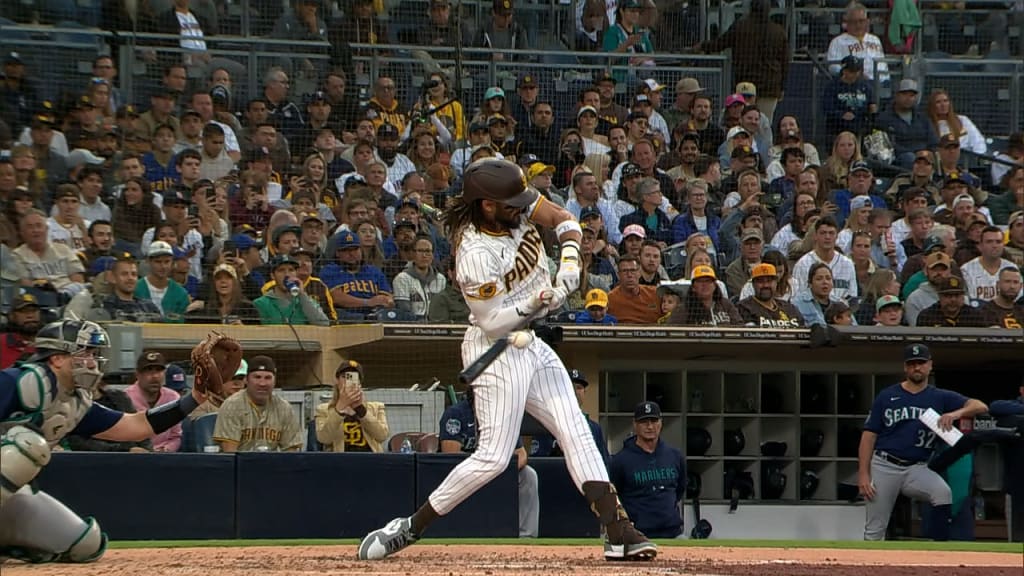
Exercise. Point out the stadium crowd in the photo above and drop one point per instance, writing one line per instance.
(189, 204)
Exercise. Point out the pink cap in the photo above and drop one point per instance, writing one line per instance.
(735, 99)
(634, 230)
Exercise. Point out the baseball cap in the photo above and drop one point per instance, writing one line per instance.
(84, 102)
(282, 230)
(887, 300)
(736, 131)
(538, 168)
(583, 109)
(177, 194)
(916, 351)
(66, 191)
(1018, 215)
(589, 212)
(80, 156)
(746, 89)
(858, 202)
(693, 136)
(742, 152)
(262, 364)
(348, 366)
(752, 234)
(387, 130)
(243, 369)
(642, 99)
(936, 259)
(13, 58)
(925, 155)
(859, 166)
(908, 85)
(913, 192)
(577, 377)
(501, 7)
(703, 272)
(596, 297)
(949, 140)
(282, 260)
(634, 230)
(653, 85)
(606, 76)
(527, 159)
(244, 241)
(647, 411)
(494, 92)
(316, 96)
(404, 222)
(477, 127)
(689, 85)
(763, 269)
(963, 198)
(150, 359)
(312, 217)
(24, 300)
(734, 99)
(159, 248)
(951, 285)
(227, 269)
(126, 111)
(953, 178)
(191, 112)
(852, 62)
(631, 169)
(174, 378)
(347, 239)
(496, 119)
(526, 79)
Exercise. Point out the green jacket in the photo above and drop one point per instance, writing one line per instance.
(275, 309)
(175, 301)
(1002, 205)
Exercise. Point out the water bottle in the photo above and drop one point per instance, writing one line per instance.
(292, 286)
(406, 447)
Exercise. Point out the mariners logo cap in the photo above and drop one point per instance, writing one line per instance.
(916, 352)
(577, 377)
(647, 411)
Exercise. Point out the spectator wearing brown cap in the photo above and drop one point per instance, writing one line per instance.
(254, 419)
(148, 392)
(763, 309)
(951, 310)
(936, 269)
(23, 321)
(630, 302)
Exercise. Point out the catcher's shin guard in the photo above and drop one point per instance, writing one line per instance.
(622, 540)
(23, 453)
(37, 527)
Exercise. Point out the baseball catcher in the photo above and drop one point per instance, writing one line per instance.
(42, 400)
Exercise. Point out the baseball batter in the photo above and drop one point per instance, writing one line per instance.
(502, 270)
(895, 445)
(41, 401)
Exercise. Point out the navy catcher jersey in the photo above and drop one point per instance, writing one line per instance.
(895, 416)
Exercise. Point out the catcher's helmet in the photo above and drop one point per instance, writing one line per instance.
(498, 180)
(68, 337)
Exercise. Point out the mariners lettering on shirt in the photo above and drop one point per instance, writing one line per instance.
(655, 475)
(261, 433)
(364, 286)
(527, 255)
(854, 100)
(894, 416)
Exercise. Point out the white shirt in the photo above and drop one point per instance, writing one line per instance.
(191, 33)
(594, 147)
(970, 139)
(72, 237)
(869, 49)
(193, 239)
(783, 238)
(900, 230)
(156, 295)
(980, 284)
(844, 274)
(402, 166)
(58, 143)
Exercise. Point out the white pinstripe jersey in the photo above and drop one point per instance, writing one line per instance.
(511, 266)
(980, 284)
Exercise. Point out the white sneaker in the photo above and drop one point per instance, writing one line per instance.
(384, 542)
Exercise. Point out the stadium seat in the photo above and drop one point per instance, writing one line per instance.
(396, 441)
(428, 443)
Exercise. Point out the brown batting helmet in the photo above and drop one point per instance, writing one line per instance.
(498, 180)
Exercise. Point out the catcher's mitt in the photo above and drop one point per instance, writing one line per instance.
(215, 361)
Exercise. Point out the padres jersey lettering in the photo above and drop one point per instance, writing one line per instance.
(980, 284)
(272, 427)
(527, 257)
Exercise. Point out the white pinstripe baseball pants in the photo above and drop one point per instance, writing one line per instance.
(531, 379)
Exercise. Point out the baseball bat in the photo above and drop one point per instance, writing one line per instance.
(473, 371)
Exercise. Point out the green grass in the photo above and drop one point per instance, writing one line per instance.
(1001, 547)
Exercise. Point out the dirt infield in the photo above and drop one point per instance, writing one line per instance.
(450, 560)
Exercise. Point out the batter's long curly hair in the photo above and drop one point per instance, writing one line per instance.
(458, 216)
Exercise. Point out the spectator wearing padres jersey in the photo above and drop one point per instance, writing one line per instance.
(1003, 311)
(348, 423)
(982, 273)
(253, 419)
(763, 309)
(357, 288)
(458, 433)
(950, 311)
(844, 275)
(546, 445)
(895, 445)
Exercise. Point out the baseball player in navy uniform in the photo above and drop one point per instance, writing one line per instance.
(546, 445)
(896, 445)
(651, 476)
(458, 434)
(41, 401)
(502, 269)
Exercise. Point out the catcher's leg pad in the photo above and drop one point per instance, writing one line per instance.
(23, 453)
(37, 527)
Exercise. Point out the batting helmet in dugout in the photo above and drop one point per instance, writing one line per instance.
(735, 441)
(773, 480)
(498, 180)
(808, 484)
(698, 441)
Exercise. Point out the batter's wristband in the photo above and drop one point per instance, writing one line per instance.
(164, 417)
(567, 226)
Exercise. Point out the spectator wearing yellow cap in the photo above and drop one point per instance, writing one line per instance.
(538, 176)
(596, 309)
(704, 303)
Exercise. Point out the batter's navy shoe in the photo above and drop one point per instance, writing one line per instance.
(382, 543)
(633, 546)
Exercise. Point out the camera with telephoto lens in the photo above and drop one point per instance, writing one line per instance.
(431, 84)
